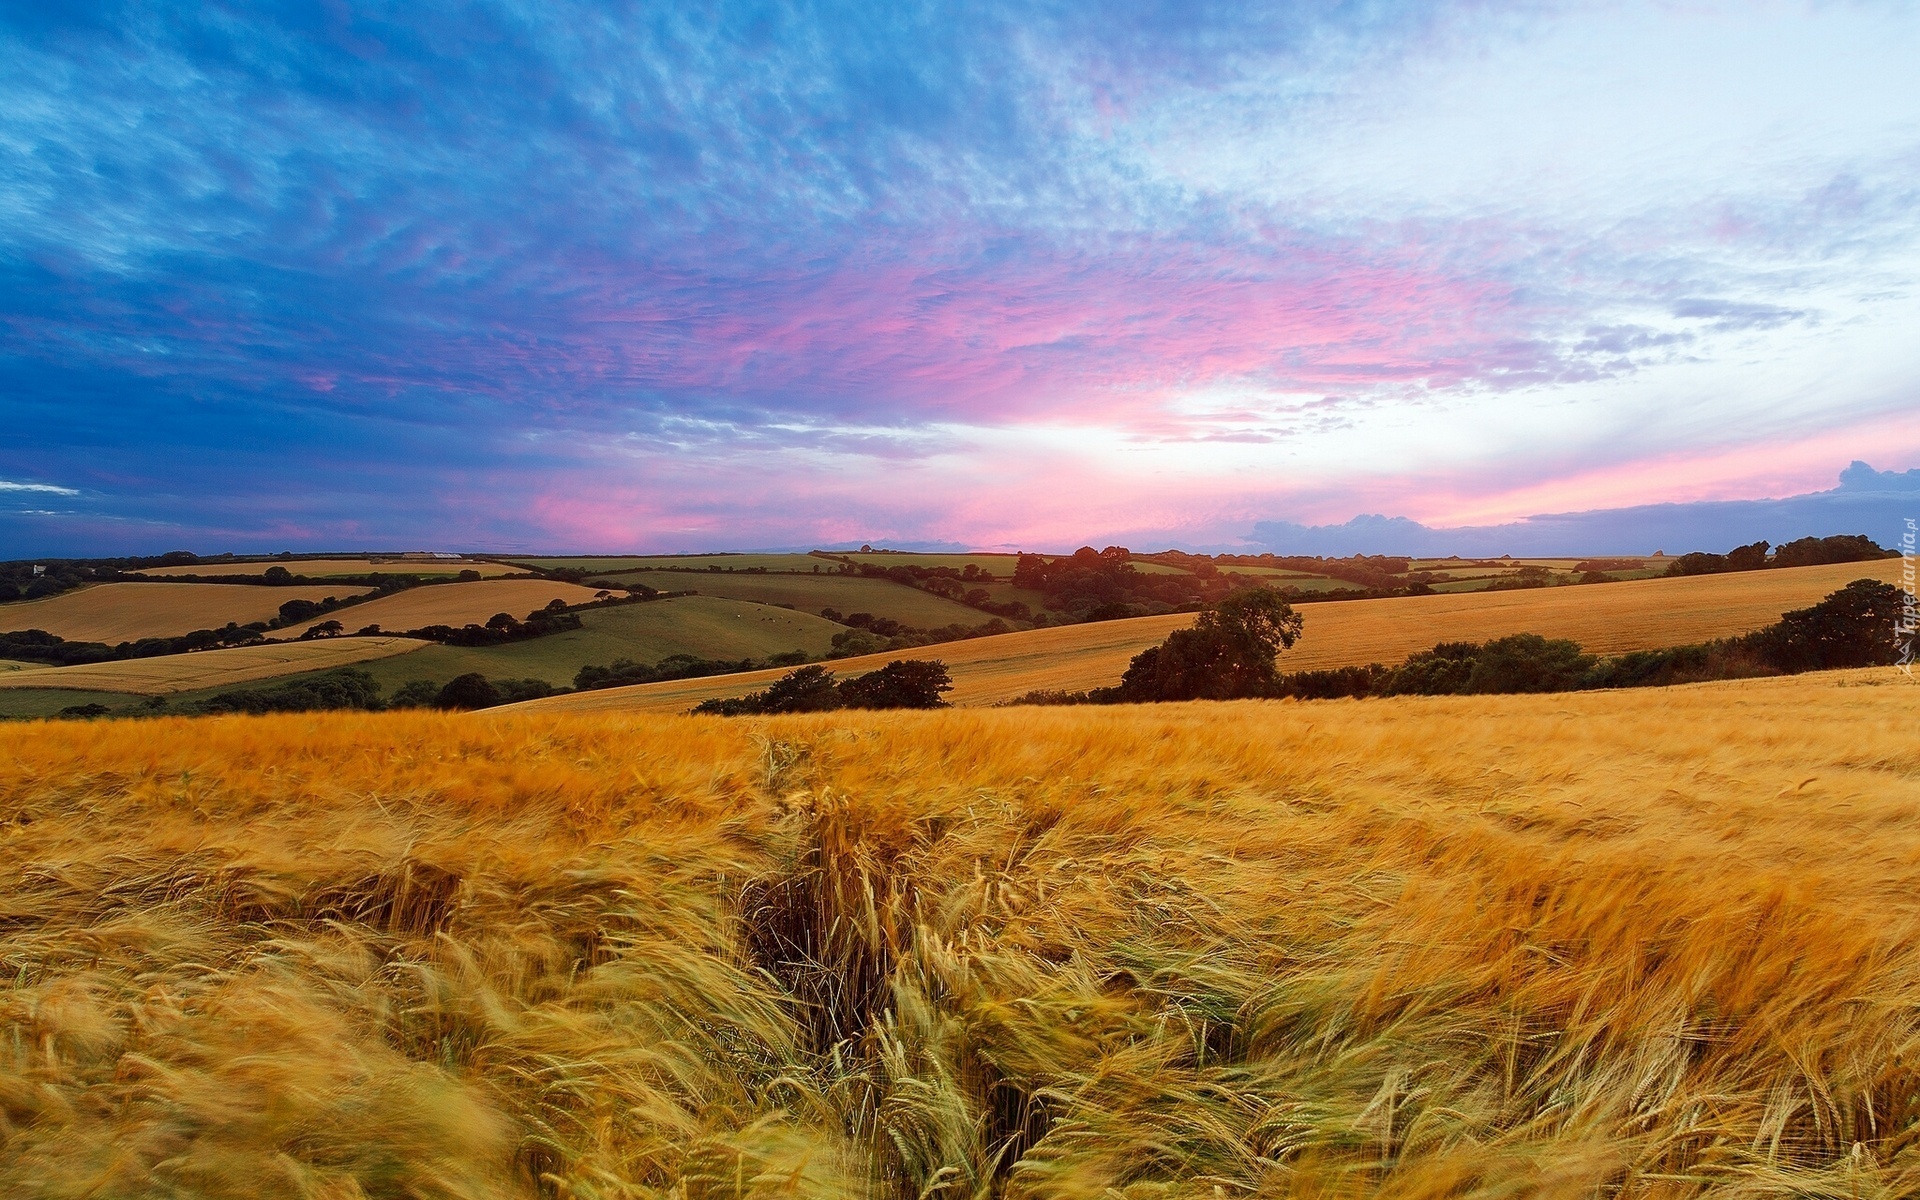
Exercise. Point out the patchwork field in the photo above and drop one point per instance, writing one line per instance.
(445, 604)
(1655, 942)
(703, 626)
(173, 673)
(320, 568)
(811, 593)
(685, 562)
(1606, 618)
(126, 612)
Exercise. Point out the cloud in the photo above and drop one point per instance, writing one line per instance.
(1876, 503)
(7, 485)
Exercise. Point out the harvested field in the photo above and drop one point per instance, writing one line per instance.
(171, 673)
(1654, 943)
(448, 604)
(1608, 618)
(126, 612)
(319, 568)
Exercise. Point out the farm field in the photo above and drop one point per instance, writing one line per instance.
(1608, 618)
(171, 673)
(690, 562)
(443, 604)
(998, 565)
(317, 568)
(126, 612)
(703, 626)
(1650, 942)
(811, 593)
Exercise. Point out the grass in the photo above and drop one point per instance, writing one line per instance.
(1656, 943)
(29, 703)
(174, 673)
(319, 568)
(126, 612)
(703, 626)
(1606, 618)
(811, 593)
(447, 604)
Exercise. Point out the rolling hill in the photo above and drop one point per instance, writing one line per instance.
(453, 604)
(125, 612)
(1607, 618)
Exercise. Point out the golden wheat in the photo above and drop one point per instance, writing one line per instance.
(126, 612)
(1649, 943)
(1641, 614)
(171, 673)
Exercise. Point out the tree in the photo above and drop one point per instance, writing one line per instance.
(910, 683)
(1853, 627)
(1527, 662)
(1228, 654)
(472, 690)
(278, 576)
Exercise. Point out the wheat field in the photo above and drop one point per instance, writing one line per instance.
(1653, 943)
(126, 612)
(453, 604)
(1640, 614)
(168, 674)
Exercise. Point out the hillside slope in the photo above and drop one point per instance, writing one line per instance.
(126, 612)
(1607, 618)
(1657, 942)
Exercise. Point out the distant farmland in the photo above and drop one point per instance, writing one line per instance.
(811, 593)
(126, 612)
(320, 568)
(441, 604)
(173, 673)
(702, 626)
(1607, 618)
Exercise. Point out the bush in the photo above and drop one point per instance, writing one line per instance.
(469, 691)
(1853, 627)
(1527, 662)
(347, 688)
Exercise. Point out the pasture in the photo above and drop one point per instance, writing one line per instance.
(703, 626)
(126, 612)
(682, 562)
(811, 593)
(1608, 618)
(1649, 943)
(444, 604)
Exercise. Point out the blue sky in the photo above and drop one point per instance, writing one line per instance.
(620, 277)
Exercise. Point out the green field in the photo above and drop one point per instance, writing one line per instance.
(811, 593)
(703, 626)
(45, 702)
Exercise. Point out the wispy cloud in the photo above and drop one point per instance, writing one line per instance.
(7, 485)
(314, 272)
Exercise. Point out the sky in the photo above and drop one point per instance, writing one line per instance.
(609, 276)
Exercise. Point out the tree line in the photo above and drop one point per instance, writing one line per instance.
(1232, 652)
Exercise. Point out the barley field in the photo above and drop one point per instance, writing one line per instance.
(1651, 943)
(447, 604)
(126, 612)
(170, 674)
(1611, 618)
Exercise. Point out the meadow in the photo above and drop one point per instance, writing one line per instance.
(125, 612)
(1651, 943)
(1609, 618)
(702, 626)
(811, 593)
